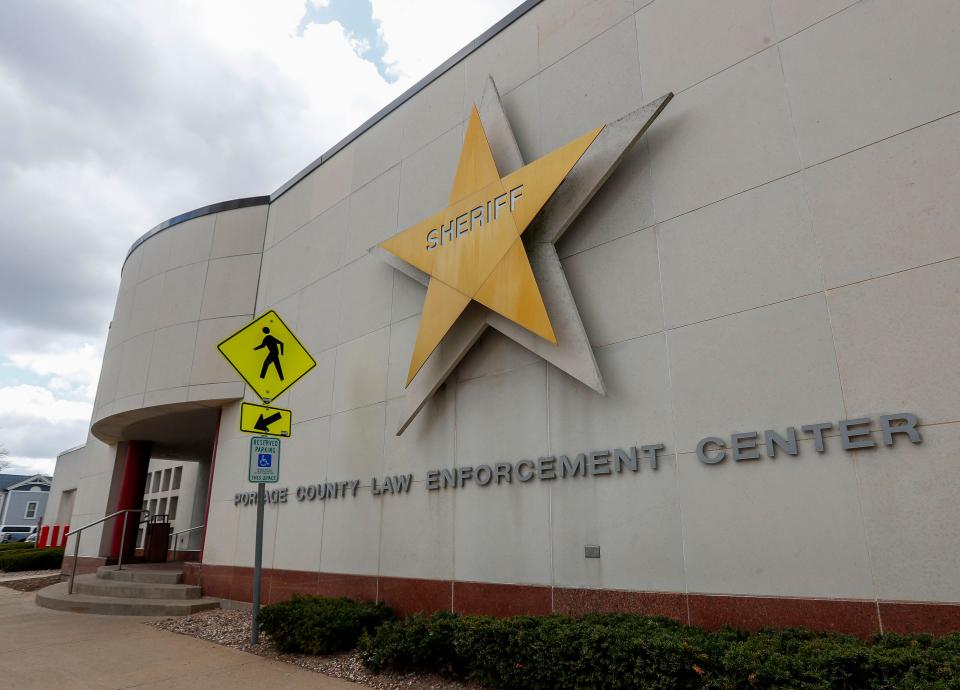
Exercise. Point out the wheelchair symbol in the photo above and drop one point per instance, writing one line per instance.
(264, 459)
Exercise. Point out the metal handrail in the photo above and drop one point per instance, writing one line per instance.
(123, 536)
(183, 531)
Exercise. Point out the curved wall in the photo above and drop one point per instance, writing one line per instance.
(182, 291)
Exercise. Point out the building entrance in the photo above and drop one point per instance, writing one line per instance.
(162, 475)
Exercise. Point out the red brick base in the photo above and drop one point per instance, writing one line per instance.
(85, 564)
(409, 595)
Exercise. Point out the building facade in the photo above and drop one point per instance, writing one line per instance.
(23, 504)
(768, 282)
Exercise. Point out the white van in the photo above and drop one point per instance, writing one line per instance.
(11, 533)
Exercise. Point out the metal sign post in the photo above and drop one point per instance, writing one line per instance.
(264, 467)
(257, 562)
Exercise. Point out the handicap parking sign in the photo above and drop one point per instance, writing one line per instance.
(264, 459)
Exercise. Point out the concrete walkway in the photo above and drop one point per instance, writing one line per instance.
(40, 648)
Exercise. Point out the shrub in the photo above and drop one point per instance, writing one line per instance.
(628, 651)
(417, 643)
(16, 560)
(321, 625)
(15, 545)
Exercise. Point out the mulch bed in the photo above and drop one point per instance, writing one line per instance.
(31, 584)
(231, 628)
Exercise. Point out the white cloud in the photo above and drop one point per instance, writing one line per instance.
(26, 403)
(119, 115)
(70, 370)
(21, 465)
(421, 34)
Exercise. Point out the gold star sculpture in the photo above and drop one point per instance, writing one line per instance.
(473, 249)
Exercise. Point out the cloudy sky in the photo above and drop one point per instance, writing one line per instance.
(115, 115)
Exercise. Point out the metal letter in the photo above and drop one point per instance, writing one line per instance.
(628, 458)
(909, 427)
(651, 453)
(499, 203)
(711, 441)
(547, 468)
(464, 473)
(476, 215)
(515, 195)
(504, 471)
(433, 480)
(448, 479)
(817, 431)
(484, 475)
(463, 226)
(598, 467)
(527, 465)
(775, 440)
(746, 441)
(432, 239)
(578, 468)
(446, 232)
(848, 434)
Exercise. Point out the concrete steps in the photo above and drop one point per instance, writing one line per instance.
(133, 591)
(165, 576)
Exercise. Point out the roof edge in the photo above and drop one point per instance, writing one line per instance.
(219, 207)
(435, 74)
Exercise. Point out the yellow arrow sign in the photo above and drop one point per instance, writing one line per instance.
(267, 355)
(260, 419)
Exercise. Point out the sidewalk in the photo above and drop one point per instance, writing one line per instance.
(40, 648)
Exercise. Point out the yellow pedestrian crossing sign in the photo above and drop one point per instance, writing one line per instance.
(267, 355)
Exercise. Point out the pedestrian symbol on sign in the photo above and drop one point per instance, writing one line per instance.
(274, 350)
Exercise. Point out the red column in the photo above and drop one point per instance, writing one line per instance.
(213, 464)
(136, 462)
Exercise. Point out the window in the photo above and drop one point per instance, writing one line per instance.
(173, 508)
(146, 487)
(177, 473)
(163, 507)
(16, 529)
(156, 482)
(140, 534)
(31, 511)
(153, 506)
(166, 480)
